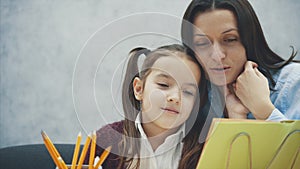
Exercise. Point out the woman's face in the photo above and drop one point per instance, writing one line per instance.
(218, 46)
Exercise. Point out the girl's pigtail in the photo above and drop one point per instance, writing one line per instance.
(131, 107)
(128, 99)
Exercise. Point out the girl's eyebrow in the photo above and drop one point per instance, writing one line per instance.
(163, 75)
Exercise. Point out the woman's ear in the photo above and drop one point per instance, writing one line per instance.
(138, 88)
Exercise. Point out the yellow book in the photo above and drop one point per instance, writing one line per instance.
(233, 143)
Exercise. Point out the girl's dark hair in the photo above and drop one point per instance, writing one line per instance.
(129, 146)
(249, 28)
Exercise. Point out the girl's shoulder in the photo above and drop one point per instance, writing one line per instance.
(115, 126)
(110, 134)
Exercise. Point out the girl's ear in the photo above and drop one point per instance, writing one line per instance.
(138, 88)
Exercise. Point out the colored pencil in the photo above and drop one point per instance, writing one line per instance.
(103, 157)
(76, 151)
(92, 151)
(83, 152)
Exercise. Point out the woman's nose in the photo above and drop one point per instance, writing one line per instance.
(217, 52)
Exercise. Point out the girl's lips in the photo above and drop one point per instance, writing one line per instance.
(171, 110)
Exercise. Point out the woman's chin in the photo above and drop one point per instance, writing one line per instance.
(220, 82)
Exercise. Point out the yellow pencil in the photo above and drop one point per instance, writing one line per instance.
(76, 150)
(83, 152)
(63, 164)
(92, 151)
(52, 150)
(45, 137)
(103, 157)
(53, 155)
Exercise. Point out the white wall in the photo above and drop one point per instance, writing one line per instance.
(41, 41)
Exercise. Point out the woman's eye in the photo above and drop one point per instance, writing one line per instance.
(230, 40)
(201, 44)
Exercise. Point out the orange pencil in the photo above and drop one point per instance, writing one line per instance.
(103, 157)
(47, 139)
(63, 164)
(92, 151)
(53, 156)
(76, 150)
(52, 150)
(83, 152)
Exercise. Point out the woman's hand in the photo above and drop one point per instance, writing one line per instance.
(253, 90)
(234, 106)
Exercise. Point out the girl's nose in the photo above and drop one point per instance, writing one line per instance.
(174, 96)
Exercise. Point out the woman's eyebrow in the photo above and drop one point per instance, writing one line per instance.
(229, 30)
(199, 34)
(226, 31)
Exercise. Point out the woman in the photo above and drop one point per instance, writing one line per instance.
(226, 38)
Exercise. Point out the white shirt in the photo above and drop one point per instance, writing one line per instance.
(166, 156)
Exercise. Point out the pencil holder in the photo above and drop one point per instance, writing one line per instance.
(77, 163)
(83, 167)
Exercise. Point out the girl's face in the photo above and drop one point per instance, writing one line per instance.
(218, 46)
(168, 93)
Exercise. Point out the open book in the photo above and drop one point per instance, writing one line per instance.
(234, 143)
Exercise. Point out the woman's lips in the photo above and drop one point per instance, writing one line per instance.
(220, 69)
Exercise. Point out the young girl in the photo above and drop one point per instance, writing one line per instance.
(161, 104)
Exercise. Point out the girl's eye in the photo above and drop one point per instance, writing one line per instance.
(187, 92)
(164, 85)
